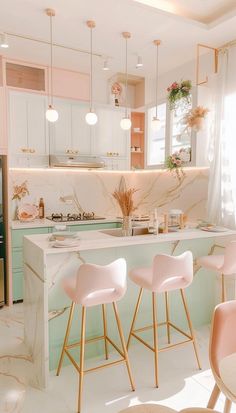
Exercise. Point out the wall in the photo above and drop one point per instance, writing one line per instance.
(93, 190)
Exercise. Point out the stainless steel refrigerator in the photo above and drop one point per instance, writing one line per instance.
(2, 243)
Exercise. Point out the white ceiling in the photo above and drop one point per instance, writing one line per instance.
(179, 35)
(203, 11)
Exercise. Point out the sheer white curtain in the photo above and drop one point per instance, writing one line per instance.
(222, 147)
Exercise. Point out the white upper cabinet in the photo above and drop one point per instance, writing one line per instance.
(28, 129)
(80, 130)
(70, 134)
(60, 131)
(108, 137)
(30, 132)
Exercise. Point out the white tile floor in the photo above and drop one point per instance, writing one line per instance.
(181, 384)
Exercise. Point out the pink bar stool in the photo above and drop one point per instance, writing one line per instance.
(95, 285)
(223, 348)
(168, 273)
(224, 264)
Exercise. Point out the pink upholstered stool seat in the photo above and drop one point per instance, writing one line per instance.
(223, 349)
(212, 262)
(95, 285)
(224, 264)
(167, 273)
(107, 284)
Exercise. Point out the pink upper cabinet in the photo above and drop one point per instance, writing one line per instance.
(70, 84)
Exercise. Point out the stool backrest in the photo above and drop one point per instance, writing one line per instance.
(93, 278)
(229, 266)
(223, 334)
(174, 270)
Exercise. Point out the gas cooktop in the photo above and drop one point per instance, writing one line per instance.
(85, 216)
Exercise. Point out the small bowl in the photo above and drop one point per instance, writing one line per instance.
(27, 212)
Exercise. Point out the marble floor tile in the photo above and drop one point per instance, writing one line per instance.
(181, 383)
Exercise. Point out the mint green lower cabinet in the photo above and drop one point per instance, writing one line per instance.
(17, 258)
(17, 249)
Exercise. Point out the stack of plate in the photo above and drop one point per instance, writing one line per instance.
(64, 239)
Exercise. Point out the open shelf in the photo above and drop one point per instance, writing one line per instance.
(137, 139)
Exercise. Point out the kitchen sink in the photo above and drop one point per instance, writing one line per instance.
(117, 232)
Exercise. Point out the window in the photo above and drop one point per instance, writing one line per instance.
(156, 142)
(170, 138)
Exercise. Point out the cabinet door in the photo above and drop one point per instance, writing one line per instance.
(18, 123)
(81, 131)
(120, 138)
(102, 132)
(37, 124)
(60, 131)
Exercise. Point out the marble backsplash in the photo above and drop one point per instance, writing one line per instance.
(71, 191)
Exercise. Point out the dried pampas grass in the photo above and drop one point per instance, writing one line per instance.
(125, 201)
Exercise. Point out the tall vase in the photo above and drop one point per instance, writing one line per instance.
(15, 210)
(127, 226)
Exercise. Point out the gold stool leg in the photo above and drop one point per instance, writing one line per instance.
(190, 327)
(167, 316)
(105, 329)
(66, 337)
(122, 339)
(154, 315)
(135, 316)
(227, 406)
(214, 397)
(222, 288)
(82, 345)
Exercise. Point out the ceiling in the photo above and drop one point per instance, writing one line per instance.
(179, 32)
(209, 12)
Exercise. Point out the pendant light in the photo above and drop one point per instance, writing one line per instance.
(156, 123)
(139, 62)
(3, 41)
(51, 113)
(91, 117)
(125, 123)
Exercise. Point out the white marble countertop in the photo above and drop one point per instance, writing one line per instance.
(93, 240)
(44, 223)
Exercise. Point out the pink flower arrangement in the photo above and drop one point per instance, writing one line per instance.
(20, 191)
(177, 160)
(179, 92)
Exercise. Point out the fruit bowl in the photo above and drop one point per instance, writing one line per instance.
(27, 213)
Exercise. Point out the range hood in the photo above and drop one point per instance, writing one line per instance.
(76, 161)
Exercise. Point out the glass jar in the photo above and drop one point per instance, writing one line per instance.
(127, 226)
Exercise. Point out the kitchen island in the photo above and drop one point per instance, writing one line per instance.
(46, 305)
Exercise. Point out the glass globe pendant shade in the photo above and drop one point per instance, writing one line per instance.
(91, 118)
(51, 114)
(156, 124)
(125, 123)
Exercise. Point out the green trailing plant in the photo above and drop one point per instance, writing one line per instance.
(179, 92)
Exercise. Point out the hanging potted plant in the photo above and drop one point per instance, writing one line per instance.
(194, 119)
(176, 161)
(179, 93)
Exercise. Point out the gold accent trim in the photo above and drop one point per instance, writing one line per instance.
(216, 55)
(50, 12)
(80, 367)
(190, 338)
(126, 35)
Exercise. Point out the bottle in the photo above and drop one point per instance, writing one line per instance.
(41, 208)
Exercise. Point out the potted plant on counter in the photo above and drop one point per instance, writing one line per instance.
(126, 204)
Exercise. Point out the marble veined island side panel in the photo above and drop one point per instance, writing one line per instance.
(47, 306)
